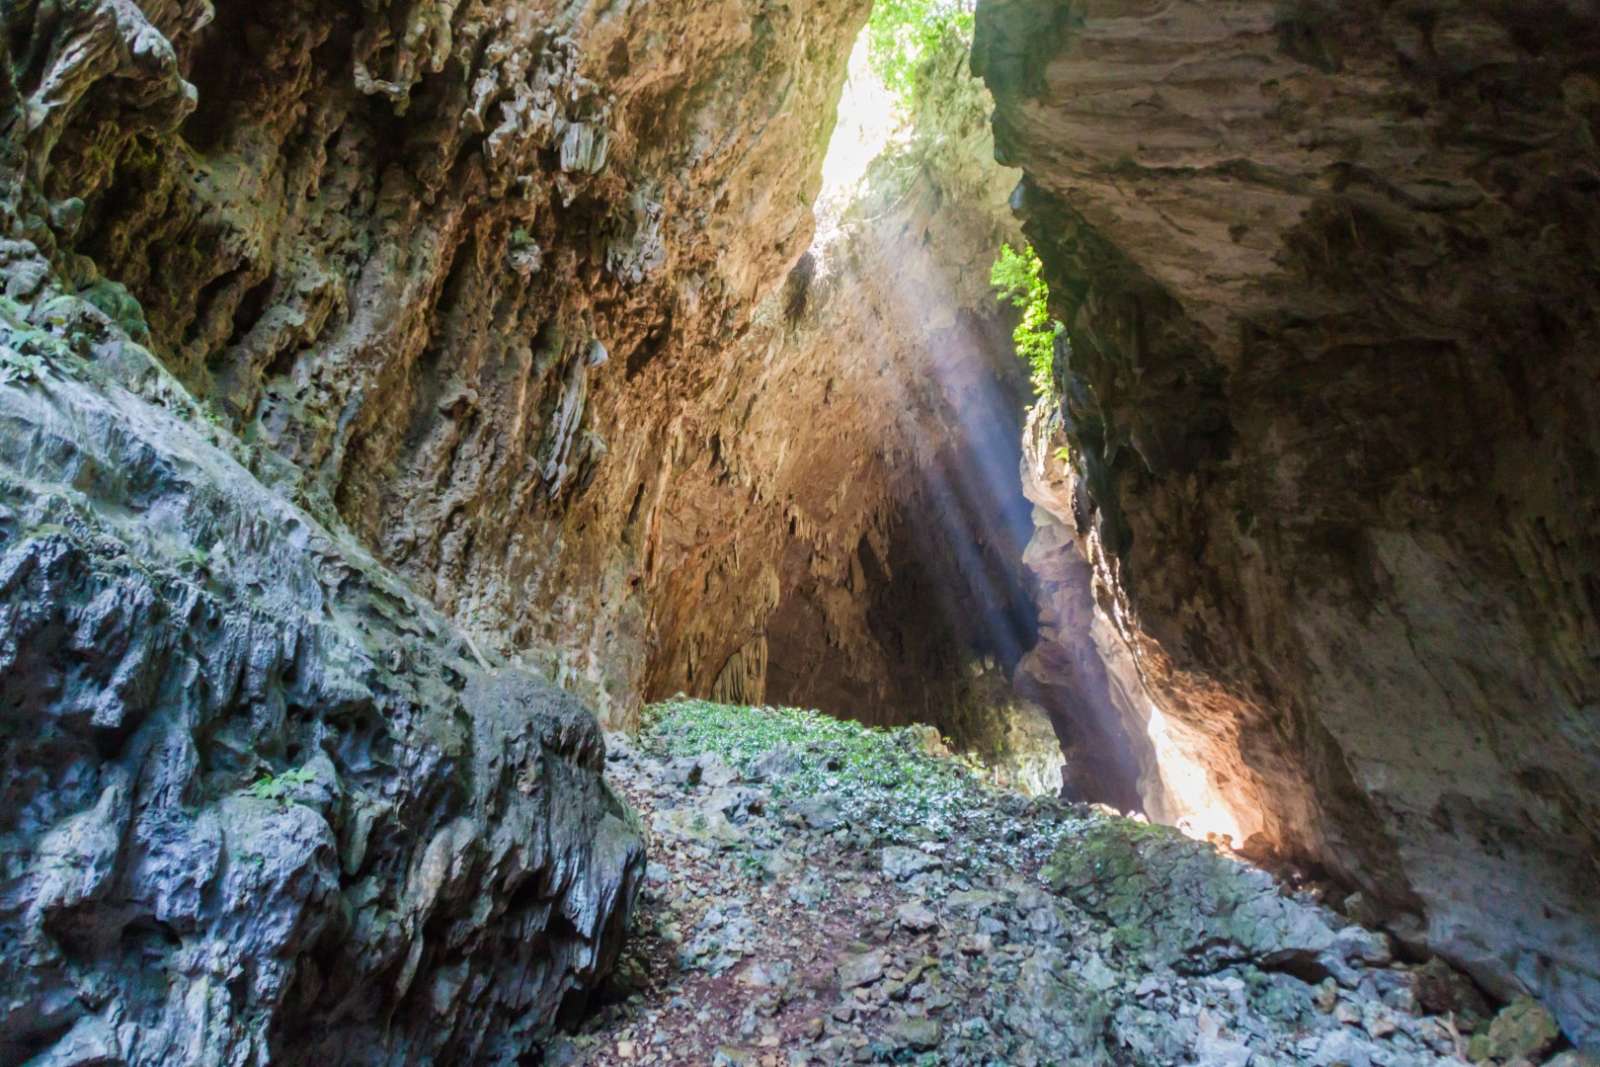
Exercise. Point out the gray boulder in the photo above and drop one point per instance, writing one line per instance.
(901, 863)
(779, 761)
(262, 801)
(1183, 904)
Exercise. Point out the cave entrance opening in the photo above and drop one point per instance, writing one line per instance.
(901, 592)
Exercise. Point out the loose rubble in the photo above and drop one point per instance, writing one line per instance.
(822, 893)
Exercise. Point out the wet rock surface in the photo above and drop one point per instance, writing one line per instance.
(1030, 932)
(262, 802)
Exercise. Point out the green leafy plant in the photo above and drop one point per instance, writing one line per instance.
(1017, 277)
(749, 864)
(19, 366)
(885, 772)
(278, 786)
(211, 414)
(900, 33)
(197, 558)
(885, 785)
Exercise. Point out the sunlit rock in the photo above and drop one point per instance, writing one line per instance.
(1327, 278)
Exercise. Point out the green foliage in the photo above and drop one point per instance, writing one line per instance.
(23, 346)
(1016, 276)
(120, 306)
(886, 780)
(278, 786)
(885, 785)
(749, 864)
(19, 366)
(891, 759)
(901, 32)
(197, 558)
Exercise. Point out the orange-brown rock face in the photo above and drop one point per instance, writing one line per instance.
(841, 524)
(1329, 277)
(484, 274)
(463, 264)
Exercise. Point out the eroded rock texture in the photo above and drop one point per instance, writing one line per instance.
(261, 801)
(1329, 278)
(1077, 666)
(487, 275)
(844, 525)
(461, 263)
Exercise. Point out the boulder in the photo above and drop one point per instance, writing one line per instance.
(901, 863)
(862, 968)
(244, 757)
(1523, 1030)
(1182, 903)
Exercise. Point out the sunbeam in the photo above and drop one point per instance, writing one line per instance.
(938, 366)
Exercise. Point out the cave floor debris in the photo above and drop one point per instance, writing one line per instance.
(820, 893)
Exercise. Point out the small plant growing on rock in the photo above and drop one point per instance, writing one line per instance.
(882, 781)
(1017, 277)
(279, 786)
(19, 366)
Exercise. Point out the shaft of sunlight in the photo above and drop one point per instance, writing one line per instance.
(1202, 812)
(969, 497)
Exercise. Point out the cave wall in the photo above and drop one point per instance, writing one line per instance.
(261, 802)
(1095, 692)
(516, 291)
(362, 365)
(462, 264)
(844, 526)
(316, 321)
(1329, 276)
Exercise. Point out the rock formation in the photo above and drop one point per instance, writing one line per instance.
(505, 284)
(443, 257)
(365, 369)
(262, 801)
(1328, 273)
(822, 893)
(464, 291)
(845, 525)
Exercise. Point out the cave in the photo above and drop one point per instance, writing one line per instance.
(939, 531)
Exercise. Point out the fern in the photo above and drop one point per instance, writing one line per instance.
(278, 786)
(19, 366)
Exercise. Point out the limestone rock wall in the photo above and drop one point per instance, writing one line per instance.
(462, 263)
(487, 276)
(261, 801)
(1329, 273)
(358, 358)
(1101, 700)
(843, 523)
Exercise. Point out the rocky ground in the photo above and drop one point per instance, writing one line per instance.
(822, 893)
